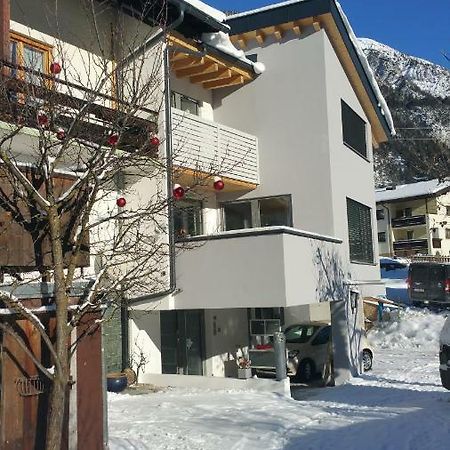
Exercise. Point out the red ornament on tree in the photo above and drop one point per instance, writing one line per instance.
(42, 119)
(121, 202)
(113, 139)
(55, 68)
(60, 134)
(218, 184)
(178, 191)
(154, 141)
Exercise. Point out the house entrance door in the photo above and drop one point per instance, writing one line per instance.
(182, 342)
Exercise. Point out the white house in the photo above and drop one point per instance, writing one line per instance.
(280, 104)
(414, 219)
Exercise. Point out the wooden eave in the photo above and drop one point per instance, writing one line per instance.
(316, 23)
(189, 60)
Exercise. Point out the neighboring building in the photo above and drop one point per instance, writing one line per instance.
(294, 227)
(414, 219)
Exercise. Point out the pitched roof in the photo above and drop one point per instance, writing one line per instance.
(420, 189)
(293, 10)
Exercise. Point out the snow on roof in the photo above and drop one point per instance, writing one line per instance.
(209, 10)
(422, 188)
(362, 57)
(221, 41)
(264, 8)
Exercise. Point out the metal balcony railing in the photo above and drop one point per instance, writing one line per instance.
(409, 221)
(411, 244)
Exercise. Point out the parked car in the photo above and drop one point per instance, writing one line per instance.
(444, 354)
(429, 283)
(309, 349)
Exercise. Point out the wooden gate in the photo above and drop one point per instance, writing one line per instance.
(24, 390)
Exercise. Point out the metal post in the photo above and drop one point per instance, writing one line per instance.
(279, 346)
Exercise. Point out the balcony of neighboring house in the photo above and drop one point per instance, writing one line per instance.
(411, 244)
(33, 98)
(411, 221)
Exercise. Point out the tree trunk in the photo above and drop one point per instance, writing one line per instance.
(57, 406)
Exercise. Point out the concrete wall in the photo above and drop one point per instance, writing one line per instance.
(286, 109)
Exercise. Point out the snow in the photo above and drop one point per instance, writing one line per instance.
(400, 405)
(209, 10)
(420, 188)
(369, 72)
(221, 41)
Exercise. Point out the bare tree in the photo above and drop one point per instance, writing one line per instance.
(89, 190)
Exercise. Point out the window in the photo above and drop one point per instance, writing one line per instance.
(322, 337)
(261, 212)
(380, 214)
(405, 212)
(353, 130)
(447, 233)
(410, 235)
(382, 237)
(188, 218)
(185, 103)
(30, 54)
(447, 210)
(299, 334)
(359, 232)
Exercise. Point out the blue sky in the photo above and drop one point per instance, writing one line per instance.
(417, 27)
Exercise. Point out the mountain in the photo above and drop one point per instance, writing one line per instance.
(418, 94)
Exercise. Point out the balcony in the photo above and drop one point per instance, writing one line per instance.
(91, 116)
(411, 244)
(259, 267)
(208, 147)
(409, 221)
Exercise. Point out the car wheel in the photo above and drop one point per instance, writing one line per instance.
(306, 371)
(367, 360)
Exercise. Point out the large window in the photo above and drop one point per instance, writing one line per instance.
(260, 212)
(353, 130)
(188, 218)
(359, 232)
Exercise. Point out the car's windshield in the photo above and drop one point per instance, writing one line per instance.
(299, 334)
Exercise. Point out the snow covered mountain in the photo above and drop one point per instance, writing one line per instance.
(418, 94)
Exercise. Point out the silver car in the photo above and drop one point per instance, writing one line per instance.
(309, 351)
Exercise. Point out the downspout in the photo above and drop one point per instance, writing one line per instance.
(389, 230)
(168, 135)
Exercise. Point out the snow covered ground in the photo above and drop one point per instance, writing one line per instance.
(399, 405)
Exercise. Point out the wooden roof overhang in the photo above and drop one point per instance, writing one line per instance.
(315, 15)
(206, 66)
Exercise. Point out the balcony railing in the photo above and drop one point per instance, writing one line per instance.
(206, 146)
(411, 244)
(409, 221)
(90, 115)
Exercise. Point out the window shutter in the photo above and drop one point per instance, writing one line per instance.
(353, 130)
(359, 232)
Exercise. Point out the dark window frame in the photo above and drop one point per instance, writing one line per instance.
(184, 210)
(362, 234)
(176, 99)
(354, 131)
(380, 214)
(382, 236)
(255, 210)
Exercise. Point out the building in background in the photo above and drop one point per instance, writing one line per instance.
(414, 219)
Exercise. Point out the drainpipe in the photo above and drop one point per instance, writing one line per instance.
(390, 231)
(168, 133)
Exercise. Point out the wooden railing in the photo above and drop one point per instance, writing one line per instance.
(90, 115)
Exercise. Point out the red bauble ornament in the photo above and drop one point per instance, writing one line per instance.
(42, 119)
(178, 191)
(113, 139)
(154, 141)
(218, 184)
(60, 134)
(121, 202)
(55, 68)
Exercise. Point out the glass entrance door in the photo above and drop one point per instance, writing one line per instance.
(182, 342)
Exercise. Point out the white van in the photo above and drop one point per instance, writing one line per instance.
(444, 354)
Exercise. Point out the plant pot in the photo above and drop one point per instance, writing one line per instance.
(243, 374)
(116, 382)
